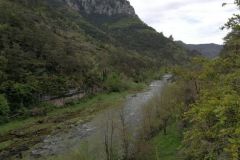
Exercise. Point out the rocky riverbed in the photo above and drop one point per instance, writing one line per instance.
(92, 132)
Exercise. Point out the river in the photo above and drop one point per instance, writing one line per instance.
(91, 135)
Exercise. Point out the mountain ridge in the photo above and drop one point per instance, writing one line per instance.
(102, 7)
(210, 50)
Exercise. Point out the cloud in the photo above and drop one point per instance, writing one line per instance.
(192, 21)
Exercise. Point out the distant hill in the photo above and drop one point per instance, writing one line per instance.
(210, 50)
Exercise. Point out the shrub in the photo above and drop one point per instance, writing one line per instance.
(115, 83)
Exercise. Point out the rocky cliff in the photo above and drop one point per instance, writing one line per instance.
(102, 7)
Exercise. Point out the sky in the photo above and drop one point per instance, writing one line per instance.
(192, 21)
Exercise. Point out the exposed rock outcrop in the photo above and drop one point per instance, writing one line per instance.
(102, 7)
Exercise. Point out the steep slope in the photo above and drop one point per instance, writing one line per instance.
(49, 47)
(102, 7)
(119, 20)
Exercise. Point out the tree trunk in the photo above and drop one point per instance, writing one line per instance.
(165, 121)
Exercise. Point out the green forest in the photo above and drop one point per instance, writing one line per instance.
(47, 49)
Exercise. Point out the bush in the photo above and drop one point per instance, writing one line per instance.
(19, 95)
(4, 109)
(115, 83)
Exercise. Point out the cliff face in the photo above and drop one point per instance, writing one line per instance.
(102, 7)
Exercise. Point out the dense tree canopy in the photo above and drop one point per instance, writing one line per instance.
(47, 49)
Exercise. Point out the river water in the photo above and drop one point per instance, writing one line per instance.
(90, 136)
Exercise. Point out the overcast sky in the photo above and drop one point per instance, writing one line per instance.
(192, 21)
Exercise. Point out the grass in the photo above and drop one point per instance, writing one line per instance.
(92, 103)
(23, 132)
(5, 128)
(30, 130)
(166, 146)
(124, 23)
(5, 144)
(97, 102)
(76, 154)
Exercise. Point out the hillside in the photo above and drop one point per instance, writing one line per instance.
(51, 47)
(210, 50)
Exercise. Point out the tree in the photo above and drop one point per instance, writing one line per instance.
(232, 40)
(3, 65)
(4, 109)
(171, 38)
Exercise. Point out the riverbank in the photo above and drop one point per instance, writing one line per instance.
(88, 141)
(20, 135)
(166, 147)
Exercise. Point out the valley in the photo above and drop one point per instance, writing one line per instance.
(90, 80)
